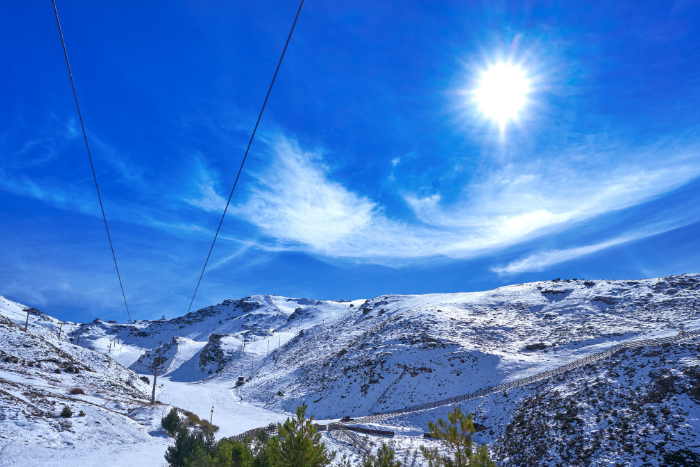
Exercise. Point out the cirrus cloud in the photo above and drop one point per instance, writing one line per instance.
(295, 203)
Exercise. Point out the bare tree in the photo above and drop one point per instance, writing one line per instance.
(156, 367)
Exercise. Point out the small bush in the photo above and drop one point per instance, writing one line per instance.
(76, 391)
(538, 346)
(81, 414)
(207, 428)
(145, 379)
(191, 419)
(58, 371)
(384, 458)
(66, 412)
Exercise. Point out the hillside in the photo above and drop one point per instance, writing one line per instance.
(368, 356)
(37, 373)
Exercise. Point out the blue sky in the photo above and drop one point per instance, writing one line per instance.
(374, 170)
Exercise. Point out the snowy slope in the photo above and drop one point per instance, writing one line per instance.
(394, 351)
(367, 356)
(112, 420)
(37, 372)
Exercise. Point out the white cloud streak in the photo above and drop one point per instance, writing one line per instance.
(68, 197)
(207, 198)
(295, 202)
(543, 260)
(295, 205)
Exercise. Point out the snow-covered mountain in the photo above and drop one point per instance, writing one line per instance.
(41, 373)
(367, 356)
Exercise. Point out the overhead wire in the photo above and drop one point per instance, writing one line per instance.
(92, 167)
(252, 136)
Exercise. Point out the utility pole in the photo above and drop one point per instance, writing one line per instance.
(59, 331)
(156, 366)
(211, 417)
(26, 322)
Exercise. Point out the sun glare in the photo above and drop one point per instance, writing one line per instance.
(502, 92)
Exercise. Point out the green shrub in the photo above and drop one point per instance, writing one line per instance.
(384, 458)
(66, 412)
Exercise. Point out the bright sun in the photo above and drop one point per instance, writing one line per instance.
(502, 92)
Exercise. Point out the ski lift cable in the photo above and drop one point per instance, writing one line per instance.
(252, 136)
(92, 167)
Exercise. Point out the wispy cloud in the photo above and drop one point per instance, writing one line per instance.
(295, 205)
(207, 198)
(543, 260)
(519, 200)
(68, 197)
(128, 169)
(295, 202)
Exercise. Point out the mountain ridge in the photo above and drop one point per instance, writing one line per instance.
(392, 351)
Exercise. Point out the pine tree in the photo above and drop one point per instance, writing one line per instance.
(456, 433)
(384, 458)
(249, 453)
(185, 444)
(199, 458)
(298, 444)
(264, 454)
(171, 422)
(232, 453)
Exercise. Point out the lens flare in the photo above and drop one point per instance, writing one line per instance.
(502, 92)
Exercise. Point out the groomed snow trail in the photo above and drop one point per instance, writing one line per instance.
(231, 415)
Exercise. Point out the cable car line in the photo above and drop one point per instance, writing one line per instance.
(246, 154)
(92, 167)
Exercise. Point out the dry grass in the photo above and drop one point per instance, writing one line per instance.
(192, 420)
